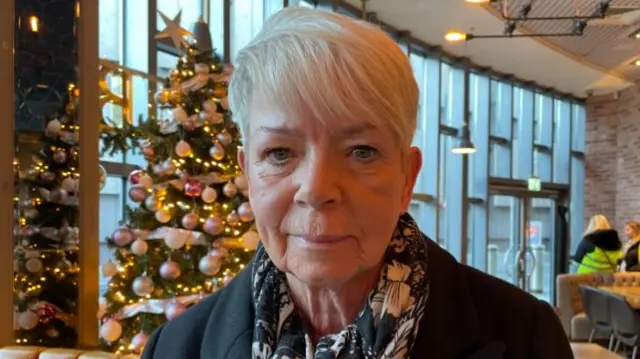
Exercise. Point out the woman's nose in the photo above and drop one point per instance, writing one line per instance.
(319, 183)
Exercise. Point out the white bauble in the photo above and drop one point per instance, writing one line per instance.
(176, 239)
(28, 320)
(69, 184)
(183, 148)
(145, 181)
(111, 330)
(143, 286)
(139, 247)
(209, 195)
(34, 265)
(54, 126)
(102, 307)
(109, 269)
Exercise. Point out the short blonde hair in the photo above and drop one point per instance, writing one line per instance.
(635, 228)
(331, 65)
(596, 223)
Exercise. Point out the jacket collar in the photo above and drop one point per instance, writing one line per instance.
(451, 326)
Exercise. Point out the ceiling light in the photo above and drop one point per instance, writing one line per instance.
(457, 36)
(637, 62)
(464, 147)
(34, 23)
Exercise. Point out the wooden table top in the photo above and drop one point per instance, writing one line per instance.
(590, 350)
(631, 294)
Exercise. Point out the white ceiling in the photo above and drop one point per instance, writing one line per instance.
(527, 58)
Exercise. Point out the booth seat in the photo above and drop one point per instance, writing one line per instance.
(34, 352)
(569, 301)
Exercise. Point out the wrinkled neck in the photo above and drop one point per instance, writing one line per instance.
(327, 310)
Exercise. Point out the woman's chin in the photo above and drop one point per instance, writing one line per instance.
(328, 273)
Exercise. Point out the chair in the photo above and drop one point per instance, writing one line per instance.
(596, 307)
(625, 322)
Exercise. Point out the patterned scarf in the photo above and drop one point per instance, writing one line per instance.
(385, 329)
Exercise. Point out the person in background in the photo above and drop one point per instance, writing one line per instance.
(600, 247)
(630, 261)
(328, 107)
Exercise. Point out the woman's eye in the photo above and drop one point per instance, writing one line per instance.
(278, 156)
(364, 153)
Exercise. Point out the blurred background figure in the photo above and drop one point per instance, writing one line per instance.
(600, 247)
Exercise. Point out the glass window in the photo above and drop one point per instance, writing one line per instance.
(542, 165)
(499, 160)
(417, 63)
(543, 120)
(562, 141)
(216, 25)
(110, 30)
(501, 114)
(576, 209)
(479, 130)
(452, 96)
(450, 197)
(578, 130)
(522, 142)
(477, 235)
(247, 17)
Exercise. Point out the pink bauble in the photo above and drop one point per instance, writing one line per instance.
(173, 310)
(134, 176)
(216, 152)
(137, 194)
(241, 182)
(193, 188)
(190, 221)
(139, 341)
(143, 286)
(209, 195)
(122, 237)
(213, 225)
(229, 189)
(245, 212)
(170, 270)
(224, 138)
(232, 218)
(210, 264)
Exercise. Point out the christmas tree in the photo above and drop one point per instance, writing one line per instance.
(192, 229)
(46, 238)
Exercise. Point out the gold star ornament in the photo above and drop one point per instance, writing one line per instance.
(173, 31)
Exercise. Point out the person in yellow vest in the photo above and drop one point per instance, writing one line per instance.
(600, 248)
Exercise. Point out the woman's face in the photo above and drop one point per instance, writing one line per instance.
(326, 197)
(628, 231)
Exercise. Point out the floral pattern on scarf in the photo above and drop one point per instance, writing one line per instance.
(386, 328)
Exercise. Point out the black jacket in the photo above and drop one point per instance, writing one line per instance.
(469, 315)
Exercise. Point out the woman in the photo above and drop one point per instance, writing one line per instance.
(328, 109)
(631, 258)
(600, 248)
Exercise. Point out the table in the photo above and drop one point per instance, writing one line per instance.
(631, 294)
(592, 351)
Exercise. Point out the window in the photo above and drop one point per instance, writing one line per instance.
(522, 142)
(576, 207)
(191, 11)
(499, 160)
(562, 141)
(479, 129)
(578, 129)
(247, 17)
(452, 96)
(450, 197)
(501, 114)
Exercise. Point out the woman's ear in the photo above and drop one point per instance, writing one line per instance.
(413, 165)
(241, 160)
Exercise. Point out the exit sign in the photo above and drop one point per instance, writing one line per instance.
(534, 184)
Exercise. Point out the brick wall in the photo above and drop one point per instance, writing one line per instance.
(612, 168)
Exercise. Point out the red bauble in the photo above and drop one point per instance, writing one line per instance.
(46, 312)
(193, 188)
(134, 176)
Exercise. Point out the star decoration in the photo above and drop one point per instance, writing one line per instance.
(173, 31)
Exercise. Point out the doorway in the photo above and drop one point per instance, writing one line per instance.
(523, 239)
